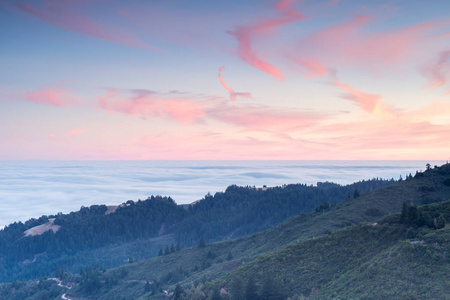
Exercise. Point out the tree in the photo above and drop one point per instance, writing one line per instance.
(198, 294)
(160, 253)
(440, 221)
(404, 213)
(237, 290)
(412, 216)
(202, 243)
(215, 294)
(178, 246)
(172, 248)
(356, 193)
(270, 289)
(147, 287)
(167, 250)
(177, 295)
(250, 289)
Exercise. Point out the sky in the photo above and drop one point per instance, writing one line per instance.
(224, 80)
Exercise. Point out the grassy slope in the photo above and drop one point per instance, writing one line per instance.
(368, 208)
(359, 262)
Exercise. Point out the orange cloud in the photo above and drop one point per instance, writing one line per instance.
(245, 35)
(233, 94)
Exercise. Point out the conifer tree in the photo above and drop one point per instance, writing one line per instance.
(250, 289)
(237, 290)
(440, 222)
(202, 243)
(177, 295)
(229, 256)
(216, 294)
(404, 213)
(270, 289)
(147, 287)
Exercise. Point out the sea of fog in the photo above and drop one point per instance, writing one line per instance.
(33, 188)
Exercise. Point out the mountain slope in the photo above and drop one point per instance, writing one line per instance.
(140, 229)
(370, 242)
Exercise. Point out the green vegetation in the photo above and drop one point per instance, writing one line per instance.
(141, 229)
(42, 289)
(389, 243)
(362, 261)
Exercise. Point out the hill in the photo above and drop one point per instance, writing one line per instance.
(338, 244)
(323, 253)
(100, 235)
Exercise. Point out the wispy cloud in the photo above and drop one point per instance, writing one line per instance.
(353, 44)
(62, 14)
(265, 118)
(55, 95)
(144, 104)
(69, 134)
(195, 109)
(438, 71)
(372, 103)
(245, 34)
(233, 94)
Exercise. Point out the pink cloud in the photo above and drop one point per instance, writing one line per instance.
(51, 95)
(349, 44)
(372, 103)
(435, 110)
(264, 118)
(313, 67)
(367, 102)
(145, 104)
(73, 132)
(233, 94)
(245, 35)
(378, 139)
(68, 134)
(438, 71)
(62, 14)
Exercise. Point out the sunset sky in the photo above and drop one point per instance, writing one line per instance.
(221, 79)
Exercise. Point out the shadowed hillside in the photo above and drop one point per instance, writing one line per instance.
(106, 237)
(353, 250)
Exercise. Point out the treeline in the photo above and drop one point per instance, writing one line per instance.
(433, 216)
(23, 257)
(236, 212)
(240, 211)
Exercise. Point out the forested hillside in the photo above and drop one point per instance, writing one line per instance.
(380, 245)
(141, 229)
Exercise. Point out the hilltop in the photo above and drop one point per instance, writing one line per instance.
(353, 249)
(341, 251)
(109, 236)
